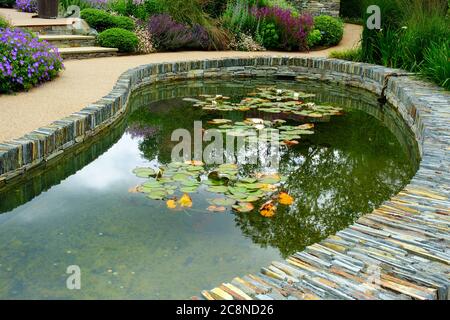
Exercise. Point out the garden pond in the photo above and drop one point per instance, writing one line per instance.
(91, 208)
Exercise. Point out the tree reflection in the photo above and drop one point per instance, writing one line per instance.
(347, 168)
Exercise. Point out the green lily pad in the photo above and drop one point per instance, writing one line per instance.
(243, 207)
(222, 202)
(157, 194)
(217, 189)
(144, 172)
(191, 189)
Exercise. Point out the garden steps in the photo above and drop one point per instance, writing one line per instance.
(68, 41)
(86, 52)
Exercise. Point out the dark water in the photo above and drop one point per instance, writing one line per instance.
(79, 210)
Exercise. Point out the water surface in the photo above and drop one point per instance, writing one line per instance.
(80, 212)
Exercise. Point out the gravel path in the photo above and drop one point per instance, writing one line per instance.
(85, 81)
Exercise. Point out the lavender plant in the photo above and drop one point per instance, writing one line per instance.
(26, 61)
(26, 5)
(169, 35)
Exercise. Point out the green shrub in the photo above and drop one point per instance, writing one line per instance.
(82, 4)
(332, 30)
(238, 19)
(7, 3)
(283, 4)
(436, 65)
(349, 54)
(124, 40)
(314, 38)
(269, 37)
(140, 11)
(123, 23)
(102, 20)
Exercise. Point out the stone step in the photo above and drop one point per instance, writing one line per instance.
(87, 52)
(48, 26)
(69, 41)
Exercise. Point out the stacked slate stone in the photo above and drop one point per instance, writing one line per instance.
(319, 7)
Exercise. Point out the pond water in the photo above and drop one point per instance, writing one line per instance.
(79, 211)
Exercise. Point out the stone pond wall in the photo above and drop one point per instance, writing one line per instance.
(318, 7)
(406, 238)
(34, 149)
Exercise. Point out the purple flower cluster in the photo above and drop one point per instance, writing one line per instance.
(169, 35)
(293, 29)
(26, 5)
(25, 61)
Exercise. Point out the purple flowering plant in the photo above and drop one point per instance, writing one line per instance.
(26, 5)
(170, 35)
(26, 61)
(294, 29)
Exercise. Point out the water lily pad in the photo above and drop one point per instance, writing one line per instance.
(157, 194)
(216, 209)
(222, 201)
(248, 180)
(243, 207)
(217, 189)
(189, 189)
(220, 121)
(180, 176)
(144, 172)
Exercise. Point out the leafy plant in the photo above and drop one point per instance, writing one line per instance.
(410, 35)
(3, 23)
(124, 40)
(269, 36)
(145, 44)
(27, 61)
(244, 42)
(314, 38)
(238, 19)
(293, 29)
(349, 54)
(283, 4)
(436, 65)
(332, 29)
(102, 20)
(138, 9)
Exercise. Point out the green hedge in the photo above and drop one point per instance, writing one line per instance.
(101, 20)
(124, 40)
(332, 30)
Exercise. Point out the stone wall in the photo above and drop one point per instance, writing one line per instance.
(18, 156)
(318, 7)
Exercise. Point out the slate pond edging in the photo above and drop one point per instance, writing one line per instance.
(411, 229)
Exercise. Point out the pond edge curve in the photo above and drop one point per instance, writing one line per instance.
(406, 238)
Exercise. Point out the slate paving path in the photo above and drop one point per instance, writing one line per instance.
(399, 251)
